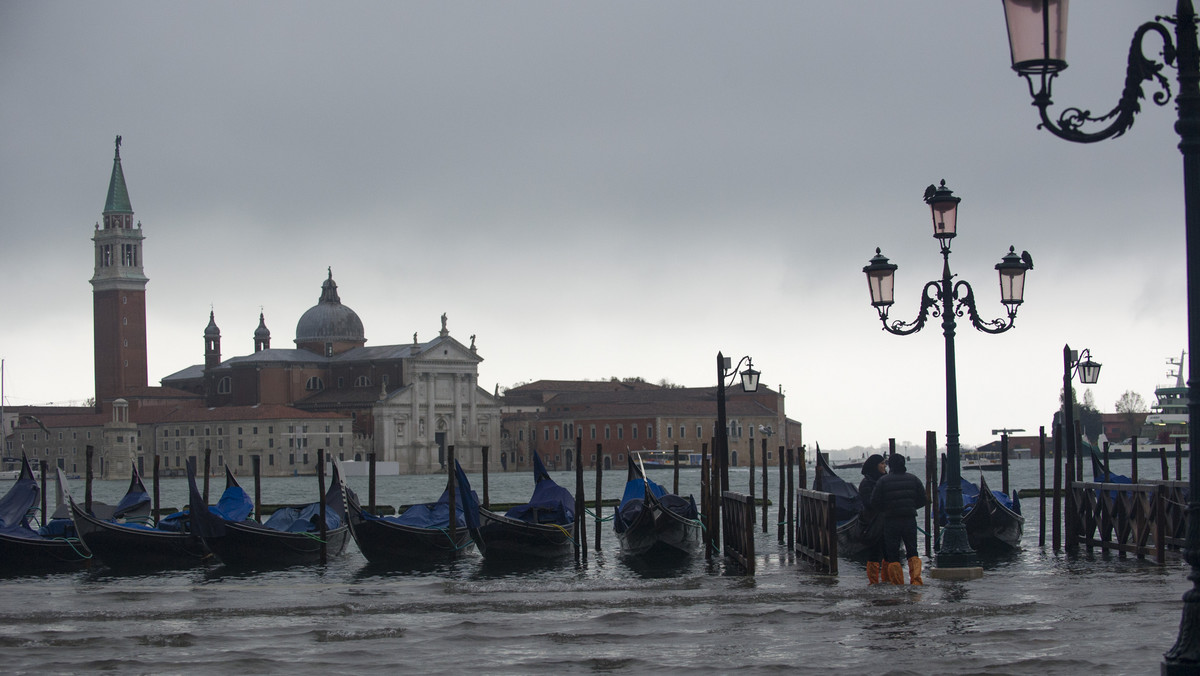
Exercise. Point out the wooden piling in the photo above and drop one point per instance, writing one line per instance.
(1179, 460)
(764, 483)
(89, 454)
(782, 493)
(452, 490)
(207, 471)
(321, 501)
(157, 504)
(1042, 486)
(1056, 506)
(704, 500)
(256, 466)
(599, 494)
(580, 505)
(1107, 466)
(45, 469)
(1162, 458)
(753, 513)
(714, 498)
(1070, 539)
(791, 499)
(675, 464)
(487, 503)
(1133, 459)
(1004, 463)
(371, 483)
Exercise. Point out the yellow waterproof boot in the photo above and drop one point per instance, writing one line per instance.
(914, 570)
(894, 572)
(873, 572)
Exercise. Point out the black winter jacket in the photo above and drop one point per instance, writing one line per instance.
(898, 494)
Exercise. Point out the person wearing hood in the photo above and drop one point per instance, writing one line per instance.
(870, 525)
(897, 497)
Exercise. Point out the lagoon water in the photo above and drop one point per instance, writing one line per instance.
(1035, 612)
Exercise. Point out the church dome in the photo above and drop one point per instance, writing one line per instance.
(329, 320)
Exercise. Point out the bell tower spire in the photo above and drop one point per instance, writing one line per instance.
(118, 295)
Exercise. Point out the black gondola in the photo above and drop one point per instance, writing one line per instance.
(847, 506)
(52, 547)
(290, 537)
(131, 541)
(992, 519)
(652, 523)
(420, 535)
(543, 528)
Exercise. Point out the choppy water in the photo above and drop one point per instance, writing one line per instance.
(1037, 612)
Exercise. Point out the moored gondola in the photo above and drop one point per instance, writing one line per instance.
(992, 519)
(541, 529)
(290, 537)
(53, 547)
(847, 506)
(652, 523)
(132, 541)
(419, 535)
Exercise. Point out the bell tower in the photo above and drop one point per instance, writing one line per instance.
(118, 295)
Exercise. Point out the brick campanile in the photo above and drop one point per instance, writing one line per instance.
(118, 295)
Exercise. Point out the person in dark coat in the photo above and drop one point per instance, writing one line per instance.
(872, 470)
(897, 497)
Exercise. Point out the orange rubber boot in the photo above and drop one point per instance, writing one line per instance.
(894, 572)
(914, 570)
(873, 572)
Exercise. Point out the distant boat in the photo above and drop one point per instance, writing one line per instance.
(543, 528)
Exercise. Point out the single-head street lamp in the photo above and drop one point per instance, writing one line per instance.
(1089, 373)
(749, 384)
(1037, 34)
(946, 299)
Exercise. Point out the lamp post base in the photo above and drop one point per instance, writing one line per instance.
(957, 574)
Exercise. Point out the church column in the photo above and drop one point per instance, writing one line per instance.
(431, 449)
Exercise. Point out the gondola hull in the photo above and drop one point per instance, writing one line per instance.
(36, 554)
(849, 535)
(250, 545)
(501, 538)
(388, 543)
(126, 547)
(991, 526)
(659, 533)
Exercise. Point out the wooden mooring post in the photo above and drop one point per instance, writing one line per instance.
(44, 468)
(371, 483)
(931, 492)
(1056, 497)
(599, 491)
(765, 499)
(323, 529)
(1042, 486)
(89, 453)
(704, 500)
(256, 467)
(782, 492)
(751, 442)
(580, 505)
(484, 454)
(452, 493)
(675, 464)
(791, 493)
(157, 503)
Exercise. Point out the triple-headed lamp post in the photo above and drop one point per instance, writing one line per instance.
(1037, 32)
(947, 299)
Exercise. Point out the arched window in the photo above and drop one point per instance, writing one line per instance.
(362, 381)
(314, 383)
(225, 385)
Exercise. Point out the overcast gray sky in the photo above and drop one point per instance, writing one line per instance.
(595, 189)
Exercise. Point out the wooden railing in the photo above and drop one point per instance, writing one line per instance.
(737, 520)
(1139, 519)
(816, 532)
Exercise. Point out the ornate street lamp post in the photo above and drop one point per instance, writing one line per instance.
(1089, 374)
(1038, 40)
(749, 384)
(942, 298)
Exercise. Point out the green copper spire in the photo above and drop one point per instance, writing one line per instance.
(118, 196)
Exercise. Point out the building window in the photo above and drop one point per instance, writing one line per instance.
(328, 349)
(607, 432)
(362, 381)
(634, 428)
(225, 385)
(670, 431)
(314, 383)
(620, 431)
(699, 431)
